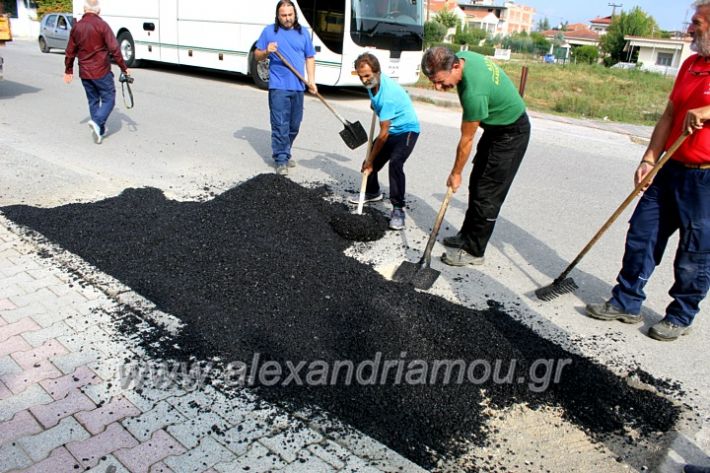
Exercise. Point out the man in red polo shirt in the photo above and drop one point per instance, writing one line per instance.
(93, 42)
(678, 199)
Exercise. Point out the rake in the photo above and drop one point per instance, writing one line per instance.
(563, 284)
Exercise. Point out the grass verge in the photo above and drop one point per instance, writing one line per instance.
(590, 91)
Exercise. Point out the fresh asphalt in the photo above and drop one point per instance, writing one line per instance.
(194, 132)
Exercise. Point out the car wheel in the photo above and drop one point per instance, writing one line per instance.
(259, 71)
(128, 49)
(43, 45)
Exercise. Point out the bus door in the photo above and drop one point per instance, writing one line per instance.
(168, 31)
(326, 20)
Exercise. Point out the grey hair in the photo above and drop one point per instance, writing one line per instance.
(701, 3)
(92, 6)
(439, 59)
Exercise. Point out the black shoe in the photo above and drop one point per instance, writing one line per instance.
(456, 241)
(666, 331)
(608, 311)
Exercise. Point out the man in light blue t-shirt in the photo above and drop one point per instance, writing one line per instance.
(399, 130)
(285, 89)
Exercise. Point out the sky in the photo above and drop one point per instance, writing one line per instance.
(669, 14)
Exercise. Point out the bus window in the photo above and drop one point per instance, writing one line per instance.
(327, 18)
(388, 24)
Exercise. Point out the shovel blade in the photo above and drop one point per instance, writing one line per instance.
(420, 276)
(354, 135)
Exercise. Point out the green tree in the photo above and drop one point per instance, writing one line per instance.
(634, 23)
(543, 24)
(447, 18)
(434, 32)
(541, 44)
(49, 6)
(470, 36)
(585, 54)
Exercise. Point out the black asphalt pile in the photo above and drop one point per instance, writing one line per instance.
(260, 270)
(369, 226)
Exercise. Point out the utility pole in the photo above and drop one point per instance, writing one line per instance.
(614, 6)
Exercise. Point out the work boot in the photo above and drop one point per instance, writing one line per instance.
(291, 163)
(666, 331)
(696, 469)
(355, 199)
(608, 311)
(461, 257)
(456, 241)
(281, 170)
(397, 219)
(95, 132)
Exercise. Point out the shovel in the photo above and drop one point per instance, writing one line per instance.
(353, 134)
(420, 275)
(363, 184)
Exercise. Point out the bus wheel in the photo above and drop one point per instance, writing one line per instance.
(259, 71)
(128, 49)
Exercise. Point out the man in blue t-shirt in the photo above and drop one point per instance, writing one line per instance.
(399, 130)
(285, 89)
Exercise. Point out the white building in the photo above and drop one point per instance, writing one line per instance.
(600, 25)
(664, 56)
(23, 17)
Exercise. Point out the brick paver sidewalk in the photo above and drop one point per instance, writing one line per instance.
(64, 409)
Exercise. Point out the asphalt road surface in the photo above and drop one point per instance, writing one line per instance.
(194, 133)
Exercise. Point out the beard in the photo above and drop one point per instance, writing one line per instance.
(701, 45)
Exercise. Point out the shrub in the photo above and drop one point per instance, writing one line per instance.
(453, 47)
(585, 54)
(434, 32)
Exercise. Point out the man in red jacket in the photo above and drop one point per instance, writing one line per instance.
(92, 41)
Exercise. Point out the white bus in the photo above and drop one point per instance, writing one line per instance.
(220, 34)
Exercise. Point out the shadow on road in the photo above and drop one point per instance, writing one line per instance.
(260, 141)
(10, 89)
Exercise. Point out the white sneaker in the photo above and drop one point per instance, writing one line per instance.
(95, 132)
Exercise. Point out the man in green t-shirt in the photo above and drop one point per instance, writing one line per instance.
(489, 100)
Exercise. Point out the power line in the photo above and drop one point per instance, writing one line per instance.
(614, 6)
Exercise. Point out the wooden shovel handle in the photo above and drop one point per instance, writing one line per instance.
(363, 184)
(426, 258)
(298, 74)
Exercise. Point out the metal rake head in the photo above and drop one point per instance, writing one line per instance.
(557, 288)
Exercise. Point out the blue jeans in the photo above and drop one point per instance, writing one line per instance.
(396, 150)
(286, 107)
(678, 199)
(101, 94)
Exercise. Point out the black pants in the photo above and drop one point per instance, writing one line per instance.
(396, 150)
(498, 156)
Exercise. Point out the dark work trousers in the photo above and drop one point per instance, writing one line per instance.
(498, 156)
(396, 150)
(678, 199)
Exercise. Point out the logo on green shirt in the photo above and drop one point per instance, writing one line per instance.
(494, 69)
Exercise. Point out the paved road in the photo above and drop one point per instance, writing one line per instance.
(195, 132)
